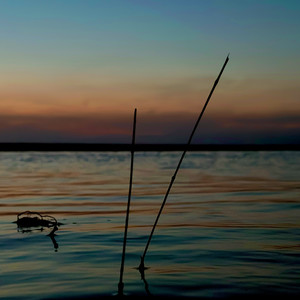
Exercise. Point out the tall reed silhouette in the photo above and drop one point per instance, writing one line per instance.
(142, 266)
(121, 284)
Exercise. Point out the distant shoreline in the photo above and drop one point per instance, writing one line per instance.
(74, 147)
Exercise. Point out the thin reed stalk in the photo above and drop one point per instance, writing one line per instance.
(141, 266)
(121, 284)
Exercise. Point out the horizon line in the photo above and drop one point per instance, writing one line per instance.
(73, 147)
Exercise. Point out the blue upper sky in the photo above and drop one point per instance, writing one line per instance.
(263, 36)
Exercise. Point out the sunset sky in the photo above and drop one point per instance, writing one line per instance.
(73, 71)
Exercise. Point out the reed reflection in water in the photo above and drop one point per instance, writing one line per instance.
(230, 226)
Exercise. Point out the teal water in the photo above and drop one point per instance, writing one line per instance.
(230, 227)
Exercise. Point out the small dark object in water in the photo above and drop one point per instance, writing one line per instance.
(35, 219)
(29, 219)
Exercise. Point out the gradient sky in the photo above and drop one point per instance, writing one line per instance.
(73, 71)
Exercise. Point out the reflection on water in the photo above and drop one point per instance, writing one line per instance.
(230, 226)
(142, 268)
(52, 237)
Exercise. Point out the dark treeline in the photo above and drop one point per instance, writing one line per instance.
(145, 147)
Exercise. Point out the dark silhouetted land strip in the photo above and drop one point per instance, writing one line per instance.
(144, 147)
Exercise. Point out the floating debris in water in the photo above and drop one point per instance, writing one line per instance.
(29, 219)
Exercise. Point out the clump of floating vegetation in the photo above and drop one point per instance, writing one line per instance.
(28, 219)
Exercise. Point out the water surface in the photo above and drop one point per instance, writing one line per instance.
(230, 227)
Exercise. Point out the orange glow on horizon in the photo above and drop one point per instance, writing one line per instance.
(72, 99)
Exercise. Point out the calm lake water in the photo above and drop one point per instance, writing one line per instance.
(231, 225)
